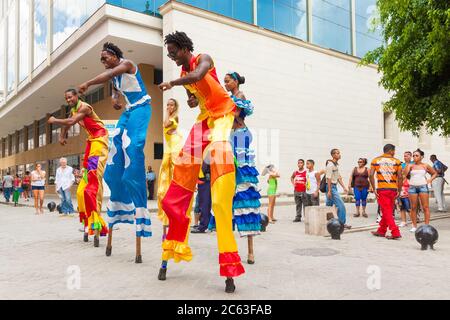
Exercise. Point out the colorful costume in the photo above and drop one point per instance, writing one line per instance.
(171, 151)
(90, 189)
(212, 130)
(246, 204)
(125, 170)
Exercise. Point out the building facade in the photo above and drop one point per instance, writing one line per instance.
(300, 59)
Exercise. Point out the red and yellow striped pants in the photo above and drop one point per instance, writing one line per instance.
(90, 189)
(213, 133)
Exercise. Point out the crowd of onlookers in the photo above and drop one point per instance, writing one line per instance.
(407, 183)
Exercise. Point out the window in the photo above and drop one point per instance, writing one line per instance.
(368, 36)
(237, 9)
(40, 31)
(2, 151)
(30, 130)
(73, 130)
(95, 96)
(11, 49)
(21, 140)
(41, 132)
(24, 36)
(13, 144)
(55, 129)
(284, 16)
(69, 15)
(331, 24)
(2, 59)
(6, 153)
(158, 150)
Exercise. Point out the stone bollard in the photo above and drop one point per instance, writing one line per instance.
(316, 218)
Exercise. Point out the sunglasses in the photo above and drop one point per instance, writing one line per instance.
(173, 54)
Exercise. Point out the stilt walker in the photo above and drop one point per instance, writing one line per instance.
(212, 129)
(90, 189)
(125, 170)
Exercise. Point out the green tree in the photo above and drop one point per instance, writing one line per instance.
(415, 62)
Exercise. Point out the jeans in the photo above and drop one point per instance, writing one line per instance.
(205, 204)
(418, 189)
(438, 189)
(361, 196)
(7, 193)
(300, 201)
(337, 201)
(66, 201)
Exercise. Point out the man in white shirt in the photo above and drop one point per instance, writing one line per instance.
(63, 181)
(7, 186)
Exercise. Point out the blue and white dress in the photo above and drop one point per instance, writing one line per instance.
(125, 170)
(246, 203)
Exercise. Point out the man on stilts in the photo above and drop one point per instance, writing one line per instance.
(212, 129)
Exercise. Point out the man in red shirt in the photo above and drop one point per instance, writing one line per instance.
(298, 180)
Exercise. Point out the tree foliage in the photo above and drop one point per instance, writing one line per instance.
(415, 62)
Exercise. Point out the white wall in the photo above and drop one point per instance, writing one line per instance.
(308, 101)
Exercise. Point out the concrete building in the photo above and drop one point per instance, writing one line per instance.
(300, 59)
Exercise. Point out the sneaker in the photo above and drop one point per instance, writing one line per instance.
(295, 220)
(347, 226)
(81, 229)
(402, 224)
(413, 229)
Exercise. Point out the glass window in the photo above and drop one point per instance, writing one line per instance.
(24, 37)
(368, 35)
(41, 131)
(13, 144)
(2, 57)
(21, 140)
(331, 24)
(237, 9)
(40, 31)
(69, 15)
(284, 16)
(30, 129)
(55, 128)
(73, 130)
(6, 147)
(11, 48)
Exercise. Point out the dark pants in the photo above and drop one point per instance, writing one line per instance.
(7, 193)
(300, 200)
(151, 189)
(204, 203)
(311, 200)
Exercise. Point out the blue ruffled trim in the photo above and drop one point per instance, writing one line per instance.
(247, 171)
(248, 222)
(246, 106)
(243, 204)
(246, 179)
(249, 194)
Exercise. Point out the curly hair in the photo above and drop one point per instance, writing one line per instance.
(180, 39)
(113, 49)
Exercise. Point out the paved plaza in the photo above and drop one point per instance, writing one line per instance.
(41, 256)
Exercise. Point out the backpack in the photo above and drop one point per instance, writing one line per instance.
(323, 184)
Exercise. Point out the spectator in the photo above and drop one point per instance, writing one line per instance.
(438, 183)
(359, 181)
(298, 180)
(17, 183)
(312, 184)
(272, 191)
(389, 184)
(418, 186)
(333, 177)
(38, 187)
(405, 204)
(64, 181)
(26, 185)
(7, 186)
(150, 177)
(204, 200)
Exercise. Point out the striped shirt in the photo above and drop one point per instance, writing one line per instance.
(386, 168)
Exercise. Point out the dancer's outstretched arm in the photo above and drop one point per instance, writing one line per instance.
(204, 64)
(67, 123)
(124, 67)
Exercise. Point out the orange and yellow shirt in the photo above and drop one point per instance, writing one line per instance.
(92, 124)
(386, 169)
(213, 100)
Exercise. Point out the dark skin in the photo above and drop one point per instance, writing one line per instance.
(72, 100)
(232, 85)
(182, 57)
(114, 67)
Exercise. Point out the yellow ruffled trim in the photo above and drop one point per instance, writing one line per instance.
(176, 250)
